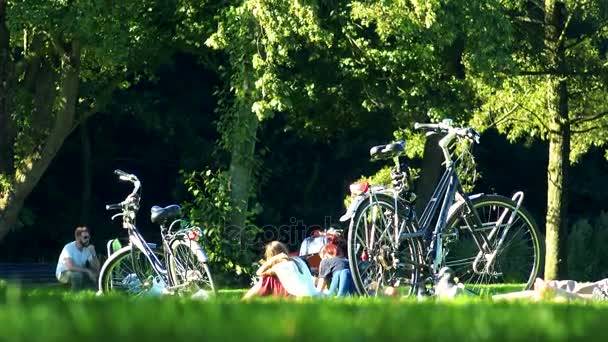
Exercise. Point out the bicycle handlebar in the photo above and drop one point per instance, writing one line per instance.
(113, 206)
(451, 133)
(127, 177)
(446, 127)
(119, 172)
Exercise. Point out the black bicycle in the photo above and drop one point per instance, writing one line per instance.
(179, 267)
(489, 241)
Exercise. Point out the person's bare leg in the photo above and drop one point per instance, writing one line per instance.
(526, 294)
(548, 290)
(254, 290)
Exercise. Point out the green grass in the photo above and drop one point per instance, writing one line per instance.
(56, 315)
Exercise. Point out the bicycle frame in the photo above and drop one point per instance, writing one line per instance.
(449, 185)
(429, 233)
(137, 240)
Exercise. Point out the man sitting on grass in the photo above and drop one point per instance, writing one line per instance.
(78, 264)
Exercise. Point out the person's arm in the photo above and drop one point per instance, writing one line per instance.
(324, 271)
(266, 267)
(71, 266)
(94, 260)
(320, 284)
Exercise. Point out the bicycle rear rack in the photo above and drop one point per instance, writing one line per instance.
(518, 198)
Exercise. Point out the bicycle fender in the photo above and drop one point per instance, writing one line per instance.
(352, 208)
(354, 204)
(458, 203)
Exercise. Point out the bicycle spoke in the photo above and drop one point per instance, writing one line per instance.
(380, 260)
(517, 259)
(190, 275)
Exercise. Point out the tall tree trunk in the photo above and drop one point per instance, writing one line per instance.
(430, 173)
(7, 132)
(559, 145)
(33, 166)
(86, 167)
(243, 138)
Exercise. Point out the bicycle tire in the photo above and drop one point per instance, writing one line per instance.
(122, 257)
(184, 263)
(377, 257)
(506, 273)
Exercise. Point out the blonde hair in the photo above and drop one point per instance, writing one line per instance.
(275, 248)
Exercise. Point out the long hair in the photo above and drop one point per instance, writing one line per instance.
(330, 249)
(275, 248)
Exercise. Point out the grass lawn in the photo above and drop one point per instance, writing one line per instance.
(55, 315)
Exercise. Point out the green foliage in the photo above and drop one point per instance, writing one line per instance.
(515, 98)
(467, 169)
(380, 178)
(231, 249)
(588, 249)
(383, 178)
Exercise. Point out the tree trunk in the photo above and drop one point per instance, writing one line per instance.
(7, 131)
(242, 142)
(86, 167)
(33, 166)
(430, 173)
(559, 146)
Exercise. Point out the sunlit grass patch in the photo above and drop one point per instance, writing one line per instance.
(33, 315)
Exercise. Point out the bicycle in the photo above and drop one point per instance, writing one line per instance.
(179, 267)
(489, 241)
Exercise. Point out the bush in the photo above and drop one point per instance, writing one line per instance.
(230, 250)
(588, 249)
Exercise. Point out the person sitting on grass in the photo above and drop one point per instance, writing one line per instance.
(78, 264)
(561, 290)
(282, 276)
(334, 266)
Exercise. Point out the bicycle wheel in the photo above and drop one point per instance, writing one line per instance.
(190, 275)
(377, 259)
(127, 271)
(512, 266)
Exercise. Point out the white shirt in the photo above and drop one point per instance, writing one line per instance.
(297, 281)
(79, 257)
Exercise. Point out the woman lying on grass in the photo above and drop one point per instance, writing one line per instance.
(282, 275)
(561, 290)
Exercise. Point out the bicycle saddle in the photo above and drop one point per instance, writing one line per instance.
(160, 215)
(387, 151)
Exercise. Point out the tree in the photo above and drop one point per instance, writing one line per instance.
(553, 89)
(328, 64)
(258, 38)
(60, 63)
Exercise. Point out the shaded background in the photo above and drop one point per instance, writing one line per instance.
(303, 180)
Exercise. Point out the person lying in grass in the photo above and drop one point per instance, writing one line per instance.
(334, 267)
(561, 290)
(282, 276)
